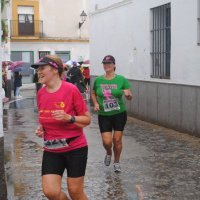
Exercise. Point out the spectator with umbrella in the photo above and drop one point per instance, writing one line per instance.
(17, 84)
(19, 68)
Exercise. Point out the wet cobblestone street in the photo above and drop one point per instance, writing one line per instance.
(157, 163)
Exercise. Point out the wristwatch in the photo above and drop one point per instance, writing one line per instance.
(72, 120)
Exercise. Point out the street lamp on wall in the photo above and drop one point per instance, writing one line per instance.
(83, 16)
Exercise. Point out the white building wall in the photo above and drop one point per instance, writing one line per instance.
(110, 34)
(77, 50)
(122, 28)
(61, 19)
(185, 51)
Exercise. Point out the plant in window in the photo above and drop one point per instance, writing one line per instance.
(5, 31)
(2, 4)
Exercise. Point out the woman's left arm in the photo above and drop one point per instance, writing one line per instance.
(128, 94)
(83, 120)
(80, 121)
(127, 90)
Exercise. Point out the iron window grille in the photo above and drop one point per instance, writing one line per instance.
(63, 55)
(43, 53)
(161, 41)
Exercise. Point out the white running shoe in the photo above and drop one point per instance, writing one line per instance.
(117, 167)
(107, 160)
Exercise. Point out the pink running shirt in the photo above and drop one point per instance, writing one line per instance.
(69, 99)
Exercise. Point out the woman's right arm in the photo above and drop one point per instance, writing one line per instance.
(94, 100)
(39, 131)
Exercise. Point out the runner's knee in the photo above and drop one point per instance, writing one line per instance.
(51, 193)
(75, 192)
(107, 144)
(117, 141)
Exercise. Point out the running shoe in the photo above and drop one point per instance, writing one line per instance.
(117, 167)
(107, 160)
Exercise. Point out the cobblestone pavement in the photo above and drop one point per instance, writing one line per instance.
(157, 163)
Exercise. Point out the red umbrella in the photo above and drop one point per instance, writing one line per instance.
(16, 64)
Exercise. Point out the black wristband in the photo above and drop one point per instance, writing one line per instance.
(72, 120)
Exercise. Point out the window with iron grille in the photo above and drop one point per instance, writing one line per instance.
(43, 53)
(63, 55)
(198, 21)
(161, 41)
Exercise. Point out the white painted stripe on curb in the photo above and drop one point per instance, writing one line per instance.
(6, 106)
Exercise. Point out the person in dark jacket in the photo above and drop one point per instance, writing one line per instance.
(17, 84)
(75, 76)
(38, 85)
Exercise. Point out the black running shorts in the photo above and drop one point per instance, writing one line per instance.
(114, 122)
(73, 161)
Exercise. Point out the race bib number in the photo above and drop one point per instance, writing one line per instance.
(110, 105)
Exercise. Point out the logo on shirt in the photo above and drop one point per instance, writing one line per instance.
(59, 105)
(107, 94)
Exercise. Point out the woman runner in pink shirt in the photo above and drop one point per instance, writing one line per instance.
(62, 116)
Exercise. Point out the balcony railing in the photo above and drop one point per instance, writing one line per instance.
(26, 28)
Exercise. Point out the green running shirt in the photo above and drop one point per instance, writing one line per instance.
(109, 94)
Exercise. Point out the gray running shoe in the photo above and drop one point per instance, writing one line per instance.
(117, 167)
(107, 160)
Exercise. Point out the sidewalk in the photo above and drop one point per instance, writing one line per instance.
(28, 86)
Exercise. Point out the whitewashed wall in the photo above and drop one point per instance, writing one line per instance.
(64, 17)
(77, 50)
(110, 33)
(122, 28)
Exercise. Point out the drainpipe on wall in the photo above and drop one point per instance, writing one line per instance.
(3, 191)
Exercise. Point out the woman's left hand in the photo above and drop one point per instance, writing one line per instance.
(128, 94)
(61, 115)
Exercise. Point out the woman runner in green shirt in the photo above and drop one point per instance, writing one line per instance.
(107, 96)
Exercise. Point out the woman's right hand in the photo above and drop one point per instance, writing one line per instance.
(96, 107)
(39, 131)
(95, 102)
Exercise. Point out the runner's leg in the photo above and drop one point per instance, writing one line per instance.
(117, 145)
(51, 184)
(76, 188)
(107, 142)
